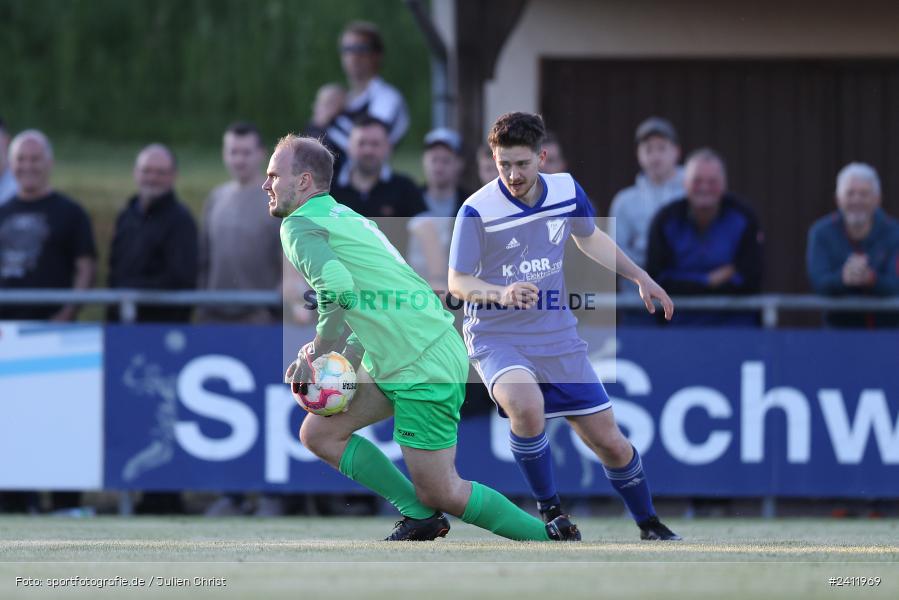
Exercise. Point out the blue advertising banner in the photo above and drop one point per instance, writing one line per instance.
(713, 412)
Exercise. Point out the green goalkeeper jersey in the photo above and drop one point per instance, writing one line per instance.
(362, 281)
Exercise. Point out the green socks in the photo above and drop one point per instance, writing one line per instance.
(492, 511)
(364, 463)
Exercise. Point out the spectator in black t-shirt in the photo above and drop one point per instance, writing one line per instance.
(45, 242)
(154, 246)
(368, 185)
(45, 237)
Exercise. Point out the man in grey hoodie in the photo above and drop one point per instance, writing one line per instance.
(659, 182)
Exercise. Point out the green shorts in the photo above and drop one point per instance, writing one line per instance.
(428, 394)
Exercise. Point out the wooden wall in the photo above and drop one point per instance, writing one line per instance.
(784, 127)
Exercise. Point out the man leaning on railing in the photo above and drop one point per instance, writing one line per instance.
(707, 244)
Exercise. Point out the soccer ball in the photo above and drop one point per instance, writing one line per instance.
(332, 388)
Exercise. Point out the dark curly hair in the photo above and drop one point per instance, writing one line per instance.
(517, 129)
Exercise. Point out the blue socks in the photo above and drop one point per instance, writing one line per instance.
(535, 461)
(630, 483)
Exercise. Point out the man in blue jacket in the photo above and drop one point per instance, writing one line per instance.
(855, 250)
(707, 243)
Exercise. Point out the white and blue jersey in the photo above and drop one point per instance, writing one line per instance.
(501, 240)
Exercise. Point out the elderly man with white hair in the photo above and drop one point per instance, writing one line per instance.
(46, 239)
(855, 249)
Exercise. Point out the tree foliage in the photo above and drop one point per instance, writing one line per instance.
(180, 70)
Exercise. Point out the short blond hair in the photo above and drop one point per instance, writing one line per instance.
(309, 156)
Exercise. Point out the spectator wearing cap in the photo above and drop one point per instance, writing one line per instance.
(708, 242)
(442, 164)
(430, 232)
(855, 250)
(368, 185)
(554, 161)
(659, 182)
(8, 187)
(361, 54)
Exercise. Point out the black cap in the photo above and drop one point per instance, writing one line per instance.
(655, 126)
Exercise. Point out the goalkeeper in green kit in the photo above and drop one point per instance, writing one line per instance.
(411, 363)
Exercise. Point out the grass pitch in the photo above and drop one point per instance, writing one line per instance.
(336, 558)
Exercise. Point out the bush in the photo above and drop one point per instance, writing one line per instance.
(179, 70)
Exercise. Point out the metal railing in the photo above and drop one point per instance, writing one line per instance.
(768, 305)
(128, 300)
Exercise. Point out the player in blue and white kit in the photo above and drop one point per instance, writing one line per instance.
(506, 262)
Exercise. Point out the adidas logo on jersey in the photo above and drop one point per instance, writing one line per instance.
(513, 243)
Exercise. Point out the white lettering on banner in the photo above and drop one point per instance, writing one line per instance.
(281, 444)
(873, 412)
(633, 418)
(499, 438)
(582, 448)
(672, 429)
(849, 434)
(848, 442)
(244, 427)
(755, 404)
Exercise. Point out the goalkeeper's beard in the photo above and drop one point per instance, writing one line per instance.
(283, 207)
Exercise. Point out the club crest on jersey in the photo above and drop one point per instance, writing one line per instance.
(556, 228)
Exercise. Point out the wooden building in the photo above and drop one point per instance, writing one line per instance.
(788, 91)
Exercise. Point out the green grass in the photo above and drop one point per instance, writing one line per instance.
(336, 558)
